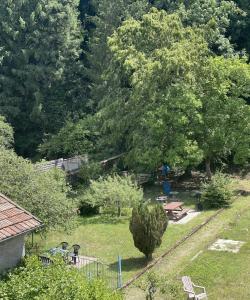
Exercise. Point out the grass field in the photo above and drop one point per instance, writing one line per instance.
(106, 238)
(225, 275)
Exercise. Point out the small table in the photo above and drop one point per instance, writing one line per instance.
(54, 251)
(175, 210)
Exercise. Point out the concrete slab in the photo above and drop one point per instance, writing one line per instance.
(227, 245)
(82, 261)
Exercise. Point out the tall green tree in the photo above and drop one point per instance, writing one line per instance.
(225, 127)
(40, 74)
(169, 100)
(151, 108)
(147, 225)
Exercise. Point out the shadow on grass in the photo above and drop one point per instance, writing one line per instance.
(130, 264)
(102, 219)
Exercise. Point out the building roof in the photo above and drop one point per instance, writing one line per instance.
(15, 220)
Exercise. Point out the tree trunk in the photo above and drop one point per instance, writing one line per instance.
(119, 210)
(208, 169)
(149, 256)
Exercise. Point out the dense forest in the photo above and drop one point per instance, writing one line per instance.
(159, 80)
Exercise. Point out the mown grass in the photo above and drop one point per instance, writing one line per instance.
(225, 275)
(106, 238)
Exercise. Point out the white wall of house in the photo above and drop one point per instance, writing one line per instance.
(11, 252)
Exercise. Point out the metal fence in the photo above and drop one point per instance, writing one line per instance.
(92, 268)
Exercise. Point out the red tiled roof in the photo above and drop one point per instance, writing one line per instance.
(15, 220)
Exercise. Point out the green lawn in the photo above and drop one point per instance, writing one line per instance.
(225, 275)
(106, 238)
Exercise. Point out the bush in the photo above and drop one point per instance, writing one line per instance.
(147, 225)
(43, 194)
(162, 286)
(56, 281)
(113, 194)
(216, 193)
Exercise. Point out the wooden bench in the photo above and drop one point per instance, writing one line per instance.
(180, 214)
(189, 288)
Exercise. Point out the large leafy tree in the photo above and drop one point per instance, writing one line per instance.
(40, 74)
(224, 130)
(151, 108)
(169, 100)
(43, 194)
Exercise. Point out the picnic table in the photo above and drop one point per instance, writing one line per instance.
(175, 211)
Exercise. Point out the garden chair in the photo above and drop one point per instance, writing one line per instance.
(64, 245)
(76, 249)
(189, 288)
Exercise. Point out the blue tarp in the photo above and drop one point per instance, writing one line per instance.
(165, 169)
(166, 187)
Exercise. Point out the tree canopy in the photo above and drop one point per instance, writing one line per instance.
(169, 94)
(43, 194)
(74, 138)
(63, 63)
(113, 193)
(40, 70)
